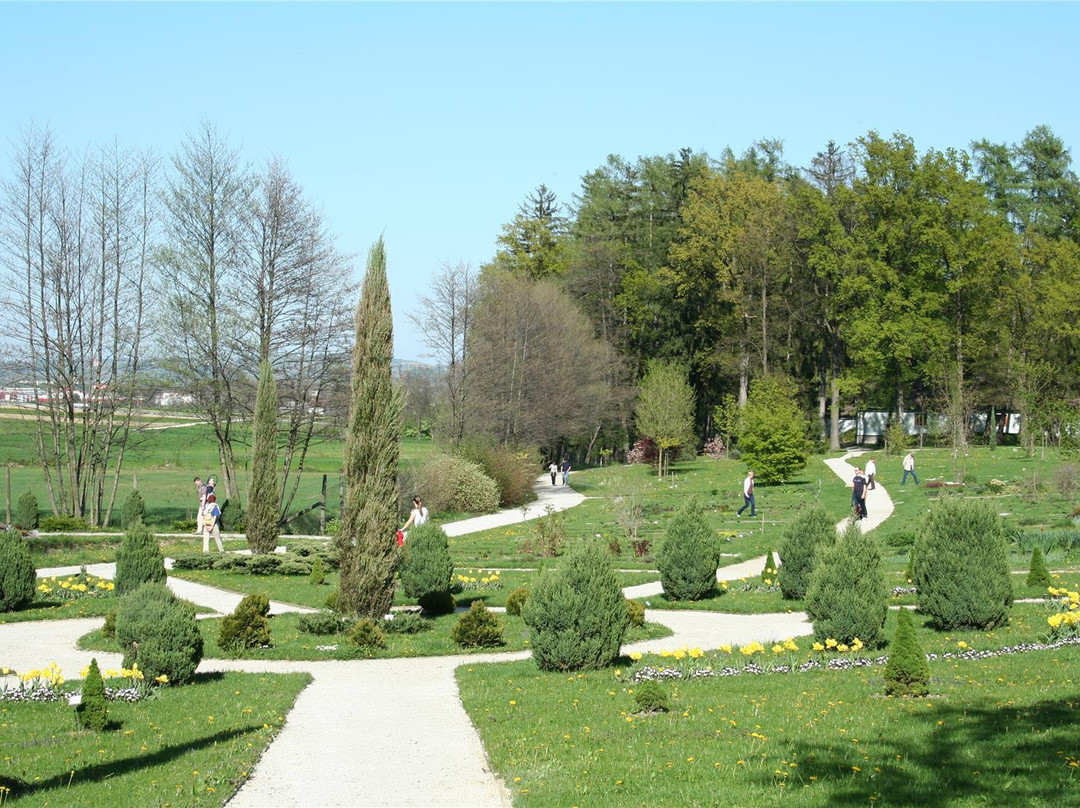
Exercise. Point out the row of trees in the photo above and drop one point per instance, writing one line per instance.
(123, 273)
(877, 276)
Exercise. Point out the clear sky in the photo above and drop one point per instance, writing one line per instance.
(430, 123)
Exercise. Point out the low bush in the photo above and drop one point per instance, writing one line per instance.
(577, 615)
(138, 560)
(248, 626)
(317, 577)
(847, 599)
(636, 611)
(26, 511)
(133, 510)
(321, 623)
(407, 623)
(436, 603)
(159, 632)
(907, 673)
(310, 549)
(454, 484)
(108, 628)
(651, 697)
(810, 531)
(17, 573)
(478, 628)
(93, 711)
(61, 523)
(427, 567)
(516, 600)
(367, 634)
(688, 555)
(194, 561)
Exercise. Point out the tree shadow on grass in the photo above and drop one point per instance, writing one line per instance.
(965, 753)
(118, 768)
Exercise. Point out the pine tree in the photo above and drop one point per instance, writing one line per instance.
(261, 522)
(93, 709)
(846, 599)
(807, 536)
(907, 673)
(1038, 574)
(369, 554)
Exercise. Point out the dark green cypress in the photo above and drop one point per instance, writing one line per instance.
(93, 710)
(366, 543)
(907, 673)
(1038, 574)
(261, 522)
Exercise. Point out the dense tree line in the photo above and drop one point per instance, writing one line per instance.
(878, 276)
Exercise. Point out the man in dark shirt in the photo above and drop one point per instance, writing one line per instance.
(858, 494)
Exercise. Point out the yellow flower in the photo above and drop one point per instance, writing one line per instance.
(163, 679)
(679, 653)
(696, 653)
(778, 649)
(961, 644)
(818, 647)
(726, 649)
(635, 655)
(842, 648)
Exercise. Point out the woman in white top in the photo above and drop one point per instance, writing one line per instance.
(418, 516)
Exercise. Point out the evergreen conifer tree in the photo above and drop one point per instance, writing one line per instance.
(261, 522)
(93, 710)
(907, 673)
(369, 554)
(847, 597)
(770, 570)
(808, 534)
(1038, 574)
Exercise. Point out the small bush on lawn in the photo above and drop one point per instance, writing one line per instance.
(194, 561)
(17, 573)
(311, 549)
(809, 532)
(133, 510)
(366, 634)
(248, 626)
(93, 711)
(317, 577)
(331, 601)
(688, 555)
(427, 567)
(160, 633)
(1038, 574)
(53, 523)
(436, 603)
(321, 623)
(577, 615)
(516, 600)
(26, 511)
(907, 673)
(138, 560)
(770, 570)
(407, 623)
(961, 570)
(108, 628)
(847, 599)
(651, 697)
(478, 628)
(636, 611)
(454, 484)
(909, 570)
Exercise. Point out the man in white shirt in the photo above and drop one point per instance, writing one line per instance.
(871, 470)
(909, 468)
(748, 495)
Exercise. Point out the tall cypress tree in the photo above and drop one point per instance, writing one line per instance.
(264, 504)
(368, 552)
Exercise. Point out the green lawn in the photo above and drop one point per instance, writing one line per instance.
(190, 745)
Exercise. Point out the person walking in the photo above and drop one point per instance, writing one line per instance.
(748, 495)
(202, 501)
(858, 494)
(211, 524)
(909, 468)
(417, 516)
(871, 472)
(566, 471)
(553, 469)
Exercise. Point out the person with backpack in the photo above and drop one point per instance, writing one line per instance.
(210, 519)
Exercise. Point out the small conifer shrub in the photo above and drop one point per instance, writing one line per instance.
(847, 597)
(515, 601)
(636, 611)
(1038, 574)
(108, 628)
(770, 570)
(651, 697)
(436, 603)
(158, 631)
(317, 577)
(688, 556)
(26, 511)
(320, 623)
(367, 634)
(407, 623)
(478, 628)
(907, 673)
(909, 570)
(961, 569)
(133, 510)
(93, 711)
(577, 615)
(427, 567)
(248, 626)
(807, 534)
(138, 560)
(17, 573)
(331, 601)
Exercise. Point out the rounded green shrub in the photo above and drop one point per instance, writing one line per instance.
(907, 673)
(367, 634)
(688, 555)
(427, 567)
(320, 623)
(407, 623)
(452, 483)
(17, 573)
(317, 576)
(516, 600)
(93, 710)
(331, 601)
(807, 534)
(248, 626)
(961, 570)
(160, 633)
(138, 560)
(636, 611)
(513, 470)
(26, 511)
(133, 510)
(108, 628)
(577, 615)
(651, 697)
(1038, 575)
(478, 628)
(436, 603)
(847, 598)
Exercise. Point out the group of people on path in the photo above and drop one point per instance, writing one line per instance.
(554, 470)
(209, 520)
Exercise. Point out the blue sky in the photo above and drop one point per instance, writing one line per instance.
(431, 122)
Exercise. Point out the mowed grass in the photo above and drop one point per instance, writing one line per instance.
(190, 745)
(997, 731)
